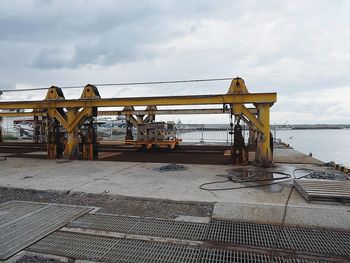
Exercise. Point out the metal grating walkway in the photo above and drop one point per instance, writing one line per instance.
(142, 226)
(319, 241)
(316, 241)
(23, 223)
(110, 249)
(209, 255)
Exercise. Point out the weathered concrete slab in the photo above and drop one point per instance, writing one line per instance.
(37, 153)
(297, 215)
(289, 155)
(145, 180)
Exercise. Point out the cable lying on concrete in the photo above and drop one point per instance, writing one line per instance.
(285, 178)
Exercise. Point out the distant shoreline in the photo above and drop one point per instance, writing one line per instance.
(317, 128)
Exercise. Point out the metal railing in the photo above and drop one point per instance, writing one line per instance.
(195, 135)
(204, 135)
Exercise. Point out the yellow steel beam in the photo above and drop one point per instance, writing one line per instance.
(134, 112)
(246, 112)
(22, 114)
(78, 118)
(144, 101)
(59, 117)
(264, 118)
(164, 112)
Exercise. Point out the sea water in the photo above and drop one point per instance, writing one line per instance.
(325, 145)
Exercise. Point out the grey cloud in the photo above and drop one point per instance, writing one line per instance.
(101, 33)
(283, 46)
(55, 57)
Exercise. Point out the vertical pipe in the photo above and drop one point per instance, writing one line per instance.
(202, 131)
(36, 130)
(227, 135)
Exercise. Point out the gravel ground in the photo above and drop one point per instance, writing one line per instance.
(113, 204)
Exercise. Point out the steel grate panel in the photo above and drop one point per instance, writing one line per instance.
(330, 242)
(224, 255)
(246, 233)
(341, 240)
(251, 234)
(75, 245)
(14, 209)
(170, 229)
(110, 249)
(104, 222)
(27, 226)
(319, 240)
(147, 251)
(142, 226)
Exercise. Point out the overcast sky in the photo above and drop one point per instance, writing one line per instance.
(299, 49)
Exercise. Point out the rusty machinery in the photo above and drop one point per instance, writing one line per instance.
(155, 135)
(70, 132)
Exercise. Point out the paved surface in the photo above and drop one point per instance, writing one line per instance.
(145, 180)
(289, 155)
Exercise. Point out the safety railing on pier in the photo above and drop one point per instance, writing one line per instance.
(191, 135)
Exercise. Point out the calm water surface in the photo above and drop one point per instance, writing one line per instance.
(325, 145)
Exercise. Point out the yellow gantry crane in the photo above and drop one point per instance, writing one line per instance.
(75, 115)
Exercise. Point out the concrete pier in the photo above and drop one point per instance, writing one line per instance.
(145, 180)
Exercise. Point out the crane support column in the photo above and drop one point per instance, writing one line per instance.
(71, 149)
(36, 130)
(264, 154)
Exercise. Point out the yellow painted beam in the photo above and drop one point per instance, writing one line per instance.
(144, 101)
(134, 112)
(246, 112)
(22, 114)
(59, 117)
(264, 117)
(78, 118)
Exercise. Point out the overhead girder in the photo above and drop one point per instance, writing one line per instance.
(144, 101)
(72, 113)
(135, 112)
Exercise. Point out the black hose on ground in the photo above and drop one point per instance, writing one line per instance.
(286, 177)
